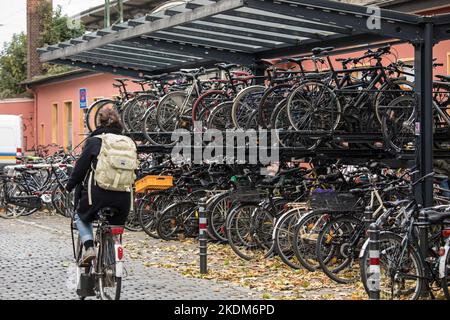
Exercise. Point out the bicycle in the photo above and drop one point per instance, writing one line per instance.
(103, 276)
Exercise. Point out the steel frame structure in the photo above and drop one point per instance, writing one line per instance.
(203, 32)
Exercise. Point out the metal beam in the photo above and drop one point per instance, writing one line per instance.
(337, 41)
(189, 49)
(392, 24)
(205, 42)
(120, 57)
(239, 32)
(139, 55)
(136, 45)
(150, 27)
(263, 27)
(99, 68)
(113, 62)
(223, 37)
(266, 17)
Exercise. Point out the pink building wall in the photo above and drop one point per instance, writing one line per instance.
(63, 92)
(24, 108)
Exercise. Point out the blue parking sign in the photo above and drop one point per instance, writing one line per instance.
(83, 98)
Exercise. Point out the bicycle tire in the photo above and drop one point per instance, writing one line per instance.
(240, 103)
(92, 111)
(394, 240)
(106, 259)
(327, 260)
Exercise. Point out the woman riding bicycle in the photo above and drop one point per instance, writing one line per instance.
(89, 197)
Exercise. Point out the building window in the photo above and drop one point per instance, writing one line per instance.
(55, 123)
(448, 62)
(42, 135)
(68, 126)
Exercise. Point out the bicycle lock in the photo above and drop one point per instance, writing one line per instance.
(373, 276)
(202, 237)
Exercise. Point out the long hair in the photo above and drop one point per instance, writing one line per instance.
(109, 118)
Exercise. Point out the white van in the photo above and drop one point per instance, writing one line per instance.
(11, 139)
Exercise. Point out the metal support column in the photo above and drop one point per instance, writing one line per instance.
(423, 65)
(107, 22)
(424, 88)
(120, 8)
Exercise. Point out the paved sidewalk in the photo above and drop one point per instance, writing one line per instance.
(36, 259)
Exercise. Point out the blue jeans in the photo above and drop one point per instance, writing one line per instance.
(85, 229)
(444, 185)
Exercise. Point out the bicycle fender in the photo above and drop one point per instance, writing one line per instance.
(442, 260)
(118, 250)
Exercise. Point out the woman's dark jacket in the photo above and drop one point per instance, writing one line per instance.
(100, 198)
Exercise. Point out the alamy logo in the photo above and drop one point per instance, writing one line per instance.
(374, 21)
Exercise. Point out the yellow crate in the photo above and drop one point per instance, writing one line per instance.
(154, 183)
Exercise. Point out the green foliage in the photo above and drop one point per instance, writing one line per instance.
(13, 58)
(56, 27)
(13, 66)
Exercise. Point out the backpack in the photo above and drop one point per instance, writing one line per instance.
(116, 163)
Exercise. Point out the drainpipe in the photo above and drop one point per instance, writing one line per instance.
(35, 116)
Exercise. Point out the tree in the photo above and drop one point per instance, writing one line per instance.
(13, 66)
(57, 28)
(13, 58)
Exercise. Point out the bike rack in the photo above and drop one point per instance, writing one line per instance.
(246, 31)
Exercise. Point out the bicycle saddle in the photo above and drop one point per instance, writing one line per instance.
(435, 217)
(121, 80)
(191, 72)
(225, 66)
(139, 81)
(107, 212)
(317, 51)
(443, 78)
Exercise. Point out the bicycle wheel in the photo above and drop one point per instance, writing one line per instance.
(12, 211)
(204, 105)
(389, 92)
(108, 284)
(91, 114)
(249, 231)
(306, 233)
(220, 117)
(401, 269)
(281, 124)
(283, 237)
(313, 108)
(136, 110)
(171, 224)
(151, 130)
(398, 123)
(59, 200)
(132, 223)
(245, 106)
(173, 111)
(218, 210)
(335, 252)
(270, 101)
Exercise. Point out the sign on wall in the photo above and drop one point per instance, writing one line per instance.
(83, 98)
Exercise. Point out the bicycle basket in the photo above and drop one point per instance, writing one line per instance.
(245, 194)
(335, 201)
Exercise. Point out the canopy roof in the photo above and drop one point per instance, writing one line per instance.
(203, 32)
